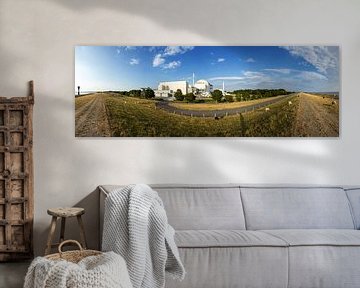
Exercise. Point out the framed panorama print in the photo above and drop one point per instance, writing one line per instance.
(207, 91)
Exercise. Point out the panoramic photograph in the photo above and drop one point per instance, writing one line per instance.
(207, 91)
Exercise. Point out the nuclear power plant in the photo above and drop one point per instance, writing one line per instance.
(201, 88)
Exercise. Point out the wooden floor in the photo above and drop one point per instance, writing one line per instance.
(12, 274)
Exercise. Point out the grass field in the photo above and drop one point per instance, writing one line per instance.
(217, 106)
(81, 101)
(132, 117)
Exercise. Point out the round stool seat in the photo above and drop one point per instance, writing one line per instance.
(66, 211)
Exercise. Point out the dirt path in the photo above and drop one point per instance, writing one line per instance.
(91, 119)
(316, 117)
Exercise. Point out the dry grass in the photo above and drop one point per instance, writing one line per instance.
(317, 116)
(218, 106)
(131, 117)
(82, 100)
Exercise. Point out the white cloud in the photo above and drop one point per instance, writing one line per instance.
(299, 74)
(174, 50)
(274, 78)
(172, 65)
(118, 50)
(280, 70)
(221, 60)
(250, 60)
(158, 60)
(130, 47)
(246, 76)
(226, 78)
(310, 75)
(152, 48)
(322, 58)
(134, 61)
(252, 74)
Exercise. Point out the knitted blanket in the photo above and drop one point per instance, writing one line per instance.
(136, 227)
(104, 271)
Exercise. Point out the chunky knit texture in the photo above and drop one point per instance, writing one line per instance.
(136, 227)
(103, 271)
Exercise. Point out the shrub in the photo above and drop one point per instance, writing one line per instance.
(149, 93)
(190, 97)
(229, 98)
(179, 95)
(238, 97)
(217, 95)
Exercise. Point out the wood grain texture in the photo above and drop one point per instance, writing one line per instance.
(16, 177)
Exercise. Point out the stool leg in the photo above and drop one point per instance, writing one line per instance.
(51, 235)
(82, 232)
(62, 230)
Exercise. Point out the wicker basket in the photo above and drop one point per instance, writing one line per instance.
(72, 256)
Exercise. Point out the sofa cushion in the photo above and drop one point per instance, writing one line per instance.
(191, 207)
(218, 267)
(354, 198)
(296, 208)
(323, 258)
(324, 266)
(226, 238)
(206, 208)
(317, 237)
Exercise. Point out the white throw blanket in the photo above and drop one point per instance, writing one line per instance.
(102, 271)
(136, 227)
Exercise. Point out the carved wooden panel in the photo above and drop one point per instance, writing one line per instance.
(16, 177)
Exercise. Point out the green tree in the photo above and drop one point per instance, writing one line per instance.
(179, 95)
(238, 97)
(217, 95)
(149, 93)
(229, 98)
(135, 93)
(190, 97)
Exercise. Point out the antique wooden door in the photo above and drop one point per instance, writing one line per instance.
(16, 177)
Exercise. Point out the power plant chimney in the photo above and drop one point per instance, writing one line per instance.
(223, 87)
(193, 79)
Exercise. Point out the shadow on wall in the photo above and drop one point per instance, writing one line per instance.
(182, 15)
(58, 171)
(61, 177)
(91, 222)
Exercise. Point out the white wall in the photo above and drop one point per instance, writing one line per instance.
(37, 40)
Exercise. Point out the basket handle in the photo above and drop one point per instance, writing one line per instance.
(69, 241)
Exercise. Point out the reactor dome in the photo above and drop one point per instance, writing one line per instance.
(203, 86)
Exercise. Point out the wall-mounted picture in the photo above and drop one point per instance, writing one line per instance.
(207, 91)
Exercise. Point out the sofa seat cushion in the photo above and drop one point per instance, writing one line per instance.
(225, 238)
(235, 267)
(317, 237)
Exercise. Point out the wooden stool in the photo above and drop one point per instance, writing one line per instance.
(64, 213)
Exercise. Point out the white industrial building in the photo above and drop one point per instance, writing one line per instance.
(167, 89)
(203, 87)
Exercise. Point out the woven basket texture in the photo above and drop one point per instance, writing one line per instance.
(72, 256)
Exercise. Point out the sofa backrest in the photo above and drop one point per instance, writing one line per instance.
(354, 198)
(296, 208)
(200, 207)
(257, 207)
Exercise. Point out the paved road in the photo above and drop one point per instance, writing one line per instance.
(219, 113)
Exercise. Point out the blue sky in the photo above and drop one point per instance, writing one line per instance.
(295, 68)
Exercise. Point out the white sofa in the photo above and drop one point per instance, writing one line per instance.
(263, 236)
